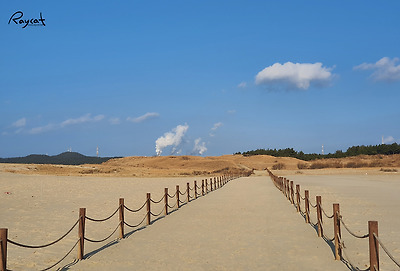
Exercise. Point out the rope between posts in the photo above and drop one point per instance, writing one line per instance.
(157, 214)
(137, 225)
(349, 231)
(172, 207)
(314, 206)
(156, 202)
(324, 234)
(344, 249)
(302, 197)
(325, 212)
(102, 240)
(102, 220)
(66, 255)
(173, 196)
(43, 246)
(386, 250)
(182, 194)
(137, 210)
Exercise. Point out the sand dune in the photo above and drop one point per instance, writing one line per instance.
(178, 166)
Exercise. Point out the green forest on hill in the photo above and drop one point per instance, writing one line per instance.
(385, 149)
(65, 158)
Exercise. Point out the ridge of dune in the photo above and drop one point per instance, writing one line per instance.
(175, 166)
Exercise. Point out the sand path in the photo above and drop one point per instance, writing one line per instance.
(246, 225)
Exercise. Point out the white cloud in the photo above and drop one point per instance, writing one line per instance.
(388, 140)
(42, 129)
(115, 121)
(384, 69)
(216, 126)
(82, 119)
(98, 118)
(172, 138)
(149, 115)
(242, 85)
(295, 75)
(20, 123)
(199, 147)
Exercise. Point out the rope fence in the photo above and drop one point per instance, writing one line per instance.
(286, 187)
(104, 219)
(214, 183)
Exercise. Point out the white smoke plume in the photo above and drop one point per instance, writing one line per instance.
(388, 140)
(199, 147)
(172, 138)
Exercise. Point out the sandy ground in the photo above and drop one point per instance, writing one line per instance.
(246, 225)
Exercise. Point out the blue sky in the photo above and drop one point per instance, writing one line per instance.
(198, 77)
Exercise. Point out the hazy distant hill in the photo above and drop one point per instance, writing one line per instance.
(65, 158)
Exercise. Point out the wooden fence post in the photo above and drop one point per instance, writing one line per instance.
(148, 208)
(336, 228)
(3, 249)
(319, 216)
(291, 192)
(177, 196)
(288, 189)
(81, 233)
(211, 184)
(373, 246)
(202, 187)
(298, 197)
(166, 201)
(188, 192)
(195, 189)
(121, 218)
(206, 186)
(307, 205)
(284, 185)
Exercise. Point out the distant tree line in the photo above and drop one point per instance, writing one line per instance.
(65, 158)
(352, 151)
